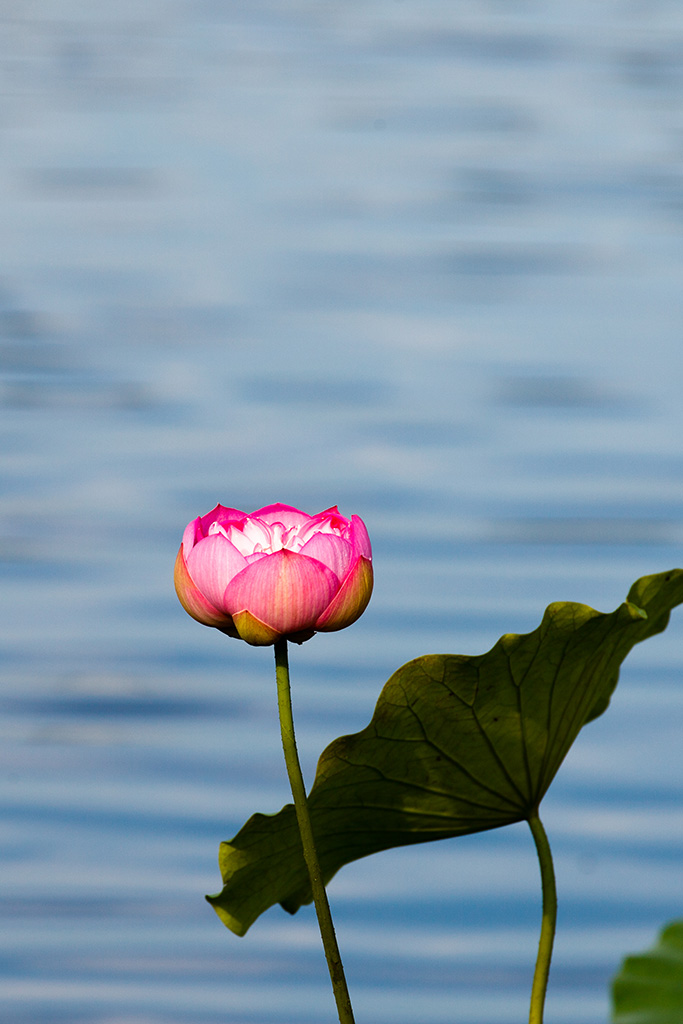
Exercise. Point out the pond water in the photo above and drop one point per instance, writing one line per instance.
(420, 259)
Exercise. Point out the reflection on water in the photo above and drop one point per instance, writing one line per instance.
(424, 261)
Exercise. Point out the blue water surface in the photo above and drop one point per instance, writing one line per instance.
(422, 260)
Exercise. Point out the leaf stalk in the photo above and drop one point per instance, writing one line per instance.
(548, 922)
(296, 781)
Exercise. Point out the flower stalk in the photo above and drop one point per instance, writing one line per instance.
(548, 923)
(322, 906)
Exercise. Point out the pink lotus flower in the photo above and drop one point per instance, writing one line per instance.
(274, 573)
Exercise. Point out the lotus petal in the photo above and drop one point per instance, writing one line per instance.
(351, 599)
(192, 599)
(334, 552)
(212, 563)
(287, 591)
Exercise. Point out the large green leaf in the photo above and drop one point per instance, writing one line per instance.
(649, 988)
(457, 744)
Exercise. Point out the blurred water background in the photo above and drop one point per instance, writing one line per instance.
(420, 258)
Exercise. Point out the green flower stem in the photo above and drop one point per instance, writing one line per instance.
(547, 937)
(322, 906)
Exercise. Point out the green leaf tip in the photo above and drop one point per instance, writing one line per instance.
(649, 987)
(457, 744)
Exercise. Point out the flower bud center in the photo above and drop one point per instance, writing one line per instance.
(254, 537)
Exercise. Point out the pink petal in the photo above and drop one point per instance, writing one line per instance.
(193, 533)
(351, 599)
(221, 514)
(192, 599)
(212, 563)
(329, 521)
(359, 538)
(286, 590)
(285, 514)
(250, 537)
(331, 518)
(334, 552)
